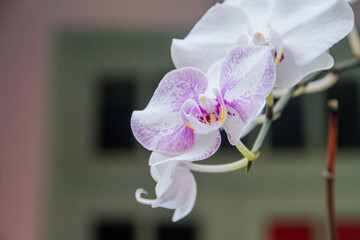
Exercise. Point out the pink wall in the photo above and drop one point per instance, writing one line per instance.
(25, 34)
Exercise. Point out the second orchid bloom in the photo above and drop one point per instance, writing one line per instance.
(182, 119)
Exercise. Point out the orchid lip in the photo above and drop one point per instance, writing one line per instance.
(209, 112)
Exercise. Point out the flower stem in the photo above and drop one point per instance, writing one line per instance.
(245, 151)
(329, 172)
(354, 42)
(222, 168)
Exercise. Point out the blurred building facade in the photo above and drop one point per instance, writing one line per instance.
(71, 72)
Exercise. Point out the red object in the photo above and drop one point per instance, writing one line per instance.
(291, 231)
(349, 231)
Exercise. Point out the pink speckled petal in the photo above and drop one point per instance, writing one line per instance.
(210, 39)
(204, 147)
(159, 126)
(175, 88)
(308, 28)
(162, 132)
(247, 78)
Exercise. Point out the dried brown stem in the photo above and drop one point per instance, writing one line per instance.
(329, 172)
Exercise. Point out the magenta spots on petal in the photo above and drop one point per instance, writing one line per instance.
(282, 56)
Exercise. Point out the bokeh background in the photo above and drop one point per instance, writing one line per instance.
(72, 72)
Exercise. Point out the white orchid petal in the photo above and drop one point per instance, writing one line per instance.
(250, 125)
(351, 1)
(258, 10)
(175, 189)
(247, 78)
(210, 39)
(308, 28)
(289, 73)
(204, 147)
(183, 210)
(213, 76)
(167, 174)
(155, 174)
(233, 125)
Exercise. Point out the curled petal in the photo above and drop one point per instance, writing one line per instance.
(189, 107)
(176, 189)
(308, 28)
(179, 190)
(167, 174)
(211, 37)
(184, 210)
(142, 200)
(204, 147)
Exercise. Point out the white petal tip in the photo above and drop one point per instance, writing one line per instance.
(175, 219)
(142, 200)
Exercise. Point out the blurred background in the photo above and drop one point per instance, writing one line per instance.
(72, 72)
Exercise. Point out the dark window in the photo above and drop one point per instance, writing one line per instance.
(112, 230)
(176, 232)
(287, 132)
(349, 129)
(116, 105)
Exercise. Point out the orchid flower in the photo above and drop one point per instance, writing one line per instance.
(300, 32)
(182, 119)
(175, 189)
